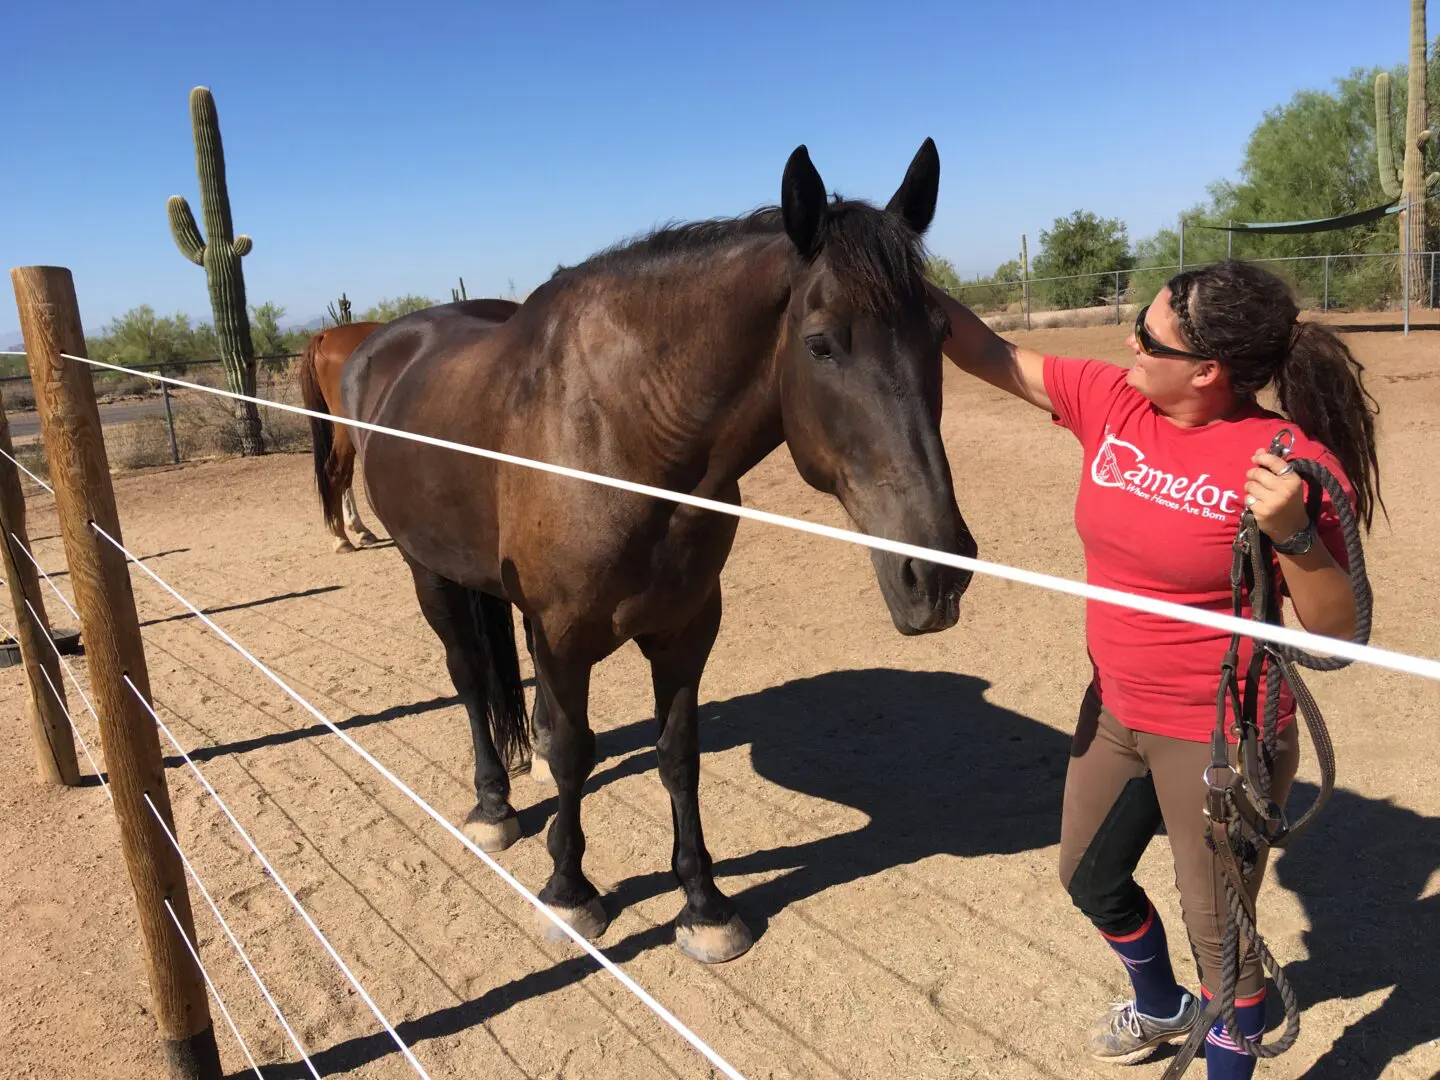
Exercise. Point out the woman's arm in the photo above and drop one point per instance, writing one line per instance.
(975, 348)
(1319, 587)
(1321, 592)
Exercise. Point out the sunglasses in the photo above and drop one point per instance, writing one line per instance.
(1150, 347)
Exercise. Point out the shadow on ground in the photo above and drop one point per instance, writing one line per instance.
(938, 770)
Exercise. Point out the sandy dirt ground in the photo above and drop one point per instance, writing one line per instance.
(885, 810)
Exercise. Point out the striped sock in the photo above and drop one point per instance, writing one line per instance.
(1223, 1059)
(1147, 960)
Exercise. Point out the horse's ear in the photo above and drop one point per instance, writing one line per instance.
(914, 200)
(802, 202)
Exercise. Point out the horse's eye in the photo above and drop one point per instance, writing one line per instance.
(819, 346)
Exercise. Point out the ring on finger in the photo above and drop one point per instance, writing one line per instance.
(1287, 469)
(1249, 500)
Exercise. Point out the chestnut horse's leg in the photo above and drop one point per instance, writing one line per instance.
(352, 520)
(562, 692)
(708, 929)
(539, 721)
(449, 608)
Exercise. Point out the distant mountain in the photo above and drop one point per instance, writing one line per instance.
(312, 323)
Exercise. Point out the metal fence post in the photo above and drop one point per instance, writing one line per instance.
(1327, 283)
(170, 423)
(1117, 297)
(1405, 277)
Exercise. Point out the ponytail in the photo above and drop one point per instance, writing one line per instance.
(1319, 385)
(1245, 317)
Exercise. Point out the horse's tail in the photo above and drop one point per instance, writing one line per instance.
(504, 688)
(322, 432)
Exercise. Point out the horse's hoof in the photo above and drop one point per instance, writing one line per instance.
(491, 836)
(342, 546)
(540, 771)
(714, 944)
(367, 539)
(588, 921)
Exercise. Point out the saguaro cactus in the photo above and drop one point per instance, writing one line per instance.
(343, 316)
(219, 252)
(1410, 180)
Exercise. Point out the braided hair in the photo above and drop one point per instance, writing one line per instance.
(1247, 319)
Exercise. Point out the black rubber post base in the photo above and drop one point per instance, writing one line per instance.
(195, 1058)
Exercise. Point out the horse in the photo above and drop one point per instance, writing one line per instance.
(679, 359)
(333, 448)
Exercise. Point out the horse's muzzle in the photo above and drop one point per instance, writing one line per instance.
(923, 596)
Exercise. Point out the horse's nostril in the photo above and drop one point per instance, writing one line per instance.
(907, 574)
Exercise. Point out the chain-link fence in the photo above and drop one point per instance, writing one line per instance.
(1321, 283)
(148, 423)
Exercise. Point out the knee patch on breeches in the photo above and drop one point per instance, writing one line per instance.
(1103, 885)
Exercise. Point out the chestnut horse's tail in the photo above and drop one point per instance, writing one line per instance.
(322, 433)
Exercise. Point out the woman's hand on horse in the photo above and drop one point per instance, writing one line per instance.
(1275, 494)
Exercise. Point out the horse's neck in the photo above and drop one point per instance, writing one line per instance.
(709, 393)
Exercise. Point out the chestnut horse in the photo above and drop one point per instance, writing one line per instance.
(334, 448)
(680, 360)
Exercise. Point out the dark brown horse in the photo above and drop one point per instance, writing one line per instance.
(679, 360)
(332, 444)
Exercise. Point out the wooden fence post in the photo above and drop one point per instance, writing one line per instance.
(1025, 277)
(80, 471)
(54, 742)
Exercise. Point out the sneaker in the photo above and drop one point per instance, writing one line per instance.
(1126, 1037)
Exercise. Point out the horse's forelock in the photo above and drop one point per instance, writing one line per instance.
(876, 259)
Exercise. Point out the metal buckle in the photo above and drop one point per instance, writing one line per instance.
(1283, 443)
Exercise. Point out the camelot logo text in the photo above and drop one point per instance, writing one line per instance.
(1119, 464)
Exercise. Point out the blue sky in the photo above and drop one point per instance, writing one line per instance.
(387, 148)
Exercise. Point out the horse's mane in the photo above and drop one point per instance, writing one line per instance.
(877, 258)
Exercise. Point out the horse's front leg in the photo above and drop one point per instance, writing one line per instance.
(708, 928)
(562, 692)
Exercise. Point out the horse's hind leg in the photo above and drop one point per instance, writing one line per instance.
(708, 929)
(353, 522)
(540, 723)
(562, 691)
(450, 609)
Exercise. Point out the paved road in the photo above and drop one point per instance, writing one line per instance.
(24, 425)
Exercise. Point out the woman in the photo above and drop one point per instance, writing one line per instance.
(1175, 447)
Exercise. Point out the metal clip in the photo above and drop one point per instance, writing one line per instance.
(1283, 443)
(1205, 776)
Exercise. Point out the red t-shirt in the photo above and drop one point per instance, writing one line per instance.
(1157, 511)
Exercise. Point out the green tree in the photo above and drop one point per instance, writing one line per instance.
(1080, 244)
(986, 293)
(265, 329)
(1313, 157)
(942, 274)
(205, 343)
(393, 308)
(141, 337)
